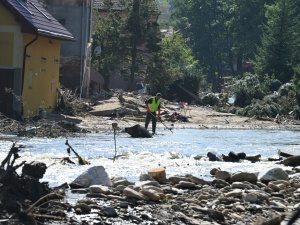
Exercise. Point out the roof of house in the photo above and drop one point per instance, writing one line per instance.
(118, 6)
(35, 19)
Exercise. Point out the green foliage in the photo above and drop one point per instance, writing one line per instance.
(260, 111)
(276, 54)
(249, 88)
(222, 34)
(296, 77)
(107, 30)
(173, 70)
(285, 89)
(210, 99)
(185, 89)
(127, 39)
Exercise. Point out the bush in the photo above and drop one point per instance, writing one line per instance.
(285, 89)
(248, 89)
(210, 99)
(260, 111)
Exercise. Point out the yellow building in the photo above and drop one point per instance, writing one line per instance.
(30, 41)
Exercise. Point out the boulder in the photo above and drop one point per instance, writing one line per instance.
(244, 176)
(272, 175)
(137, 131)
(130, 193)
(93, 176)
(292, 161)
(213, 157)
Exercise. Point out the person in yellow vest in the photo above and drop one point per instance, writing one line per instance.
(153, 106)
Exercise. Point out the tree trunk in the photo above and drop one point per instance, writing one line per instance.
(132, 68)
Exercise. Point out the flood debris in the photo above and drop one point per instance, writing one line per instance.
(81, 160)
(18, 192)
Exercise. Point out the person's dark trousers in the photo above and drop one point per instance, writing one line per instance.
(151, 116)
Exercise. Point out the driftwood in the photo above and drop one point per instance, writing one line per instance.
(115, 126)
(45, 198)
(81, 161)
(7, 169)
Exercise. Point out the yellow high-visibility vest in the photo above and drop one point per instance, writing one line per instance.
(154, 105)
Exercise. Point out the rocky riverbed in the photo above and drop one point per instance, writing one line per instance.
(242, 198)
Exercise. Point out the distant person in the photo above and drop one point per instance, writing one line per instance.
(153, 106)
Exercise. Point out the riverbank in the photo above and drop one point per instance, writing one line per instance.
(186, 199)
(199, 117)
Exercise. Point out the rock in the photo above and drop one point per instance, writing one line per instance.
(237, 193)
(124, 204)
(272, 175)
(116, 181)
(292, 161)
(157, 189)
(145, 177)
(251, 197)
(94, 175)
(130, 193)
(244, 176)
(185, 185)
(120, 188)
(216, 215)
(151, 194)
(83, 208)
(254, 158)
(213, 171)
(137, 131)
(223, 175)
(218, 183)
(241, 185)
(213, 157)
(109, 212)
(196, 180)
(139, 185)
(177, 179)
(100, 189)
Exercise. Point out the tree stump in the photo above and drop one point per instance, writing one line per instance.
(158, 174)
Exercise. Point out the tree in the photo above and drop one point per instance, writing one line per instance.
(128, 38)
(143, 35)
(276, 55)
(172, 68)
(107, 37)
(221, 33)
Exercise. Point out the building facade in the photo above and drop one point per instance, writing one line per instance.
(76, 16)
(30, 40)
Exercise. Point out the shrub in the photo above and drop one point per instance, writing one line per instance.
(249, 88)
(260, 111)
(210, 99)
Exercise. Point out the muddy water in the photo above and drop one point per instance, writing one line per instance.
(175, 151)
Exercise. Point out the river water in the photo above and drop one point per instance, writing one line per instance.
(175, 151)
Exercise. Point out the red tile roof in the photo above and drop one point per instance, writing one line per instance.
(35, 19)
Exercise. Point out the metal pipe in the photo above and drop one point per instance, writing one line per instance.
(23, 70)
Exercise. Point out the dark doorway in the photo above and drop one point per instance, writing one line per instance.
(6, 98)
